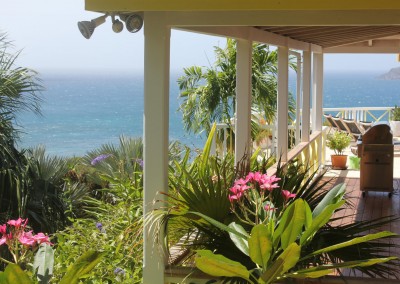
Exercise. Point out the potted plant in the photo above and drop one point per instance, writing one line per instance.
(395, 120)
(338, 141)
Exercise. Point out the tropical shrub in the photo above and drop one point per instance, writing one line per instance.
(197, 213)
(117, 235)
(338, 141)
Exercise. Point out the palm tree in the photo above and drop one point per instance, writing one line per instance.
(19, 91)
(209, 93)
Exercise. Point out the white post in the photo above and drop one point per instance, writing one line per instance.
(243, 100)
(282, 108)
(156, 123)
(298, 95)
(318, 75)
(305, 116)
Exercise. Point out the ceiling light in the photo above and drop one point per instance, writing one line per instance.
(133, 22)
(87, 27)
(117, 25)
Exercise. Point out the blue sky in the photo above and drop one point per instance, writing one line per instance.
(47, 32)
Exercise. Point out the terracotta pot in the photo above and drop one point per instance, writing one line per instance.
(339, 162)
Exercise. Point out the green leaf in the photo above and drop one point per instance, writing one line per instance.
(219, 225)
(83, 265)
(319, 271)
(240, 242)
(43, 263)
(320, 221)
(260, 245)
(332, 197)
(207, 150)
(14, 274)
(295, 225)
(291, 223)
(283, 263)
(354, 241)
(218, 265)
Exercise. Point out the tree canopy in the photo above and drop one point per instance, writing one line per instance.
(209, 93)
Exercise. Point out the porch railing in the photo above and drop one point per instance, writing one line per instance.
(223, 140)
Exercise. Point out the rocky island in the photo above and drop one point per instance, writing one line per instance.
(393, 74)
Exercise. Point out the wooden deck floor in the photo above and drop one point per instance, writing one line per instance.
(373, 205)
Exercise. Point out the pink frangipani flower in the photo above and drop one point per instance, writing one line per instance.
(27, 239)
(269, 207)
(3, 240)
(41, 238)
(287, 195)
(18, 223)
(3, 229)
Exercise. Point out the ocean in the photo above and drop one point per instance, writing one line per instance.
(82, 112)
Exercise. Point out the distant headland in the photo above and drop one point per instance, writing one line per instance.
(393, 74)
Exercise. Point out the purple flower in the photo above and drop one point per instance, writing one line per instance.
(99, 226)
(140, 162)
(119, 271)
(100, 158)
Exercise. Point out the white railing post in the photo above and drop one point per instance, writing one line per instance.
(305, 117)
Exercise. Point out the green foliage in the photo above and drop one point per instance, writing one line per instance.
(395, 114)
(275, 260)
(338, 141)
(209, 93)
(43, 263)
(75, 272)
(120, 239)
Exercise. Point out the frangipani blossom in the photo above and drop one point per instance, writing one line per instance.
(27, 239)
(18, 223)
(3, 229)
(3, 240)
(269, 207)
(287, 195)
(41, 238)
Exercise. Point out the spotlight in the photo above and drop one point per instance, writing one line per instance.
(133, 22)
(87, 27)
(117, 25)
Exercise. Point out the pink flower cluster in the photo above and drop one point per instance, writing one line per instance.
(264, 181)
(16, 231)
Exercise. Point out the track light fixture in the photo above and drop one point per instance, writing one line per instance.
(133, 23)
(87, 27)
(117, 25)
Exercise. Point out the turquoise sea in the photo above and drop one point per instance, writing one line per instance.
(82, 112)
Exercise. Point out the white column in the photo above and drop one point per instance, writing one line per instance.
(298, 94)
(243, 100)
(305, 117)
(282, 108)
(318, 75)
(156, 123)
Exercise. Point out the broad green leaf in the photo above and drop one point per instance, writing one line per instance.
(309, 217)
(219, 225)
(290, 224)
(260, 245)
(288, 258)
(295, 225)
(354, 241)
(14, 274)
(219, 265)
(320, 221)
(240, 242)
(83, 265)
(319, 271)
(332, 197)
(43, 263)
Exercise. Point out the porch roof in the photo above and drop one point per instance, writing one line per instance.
(358, 26)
